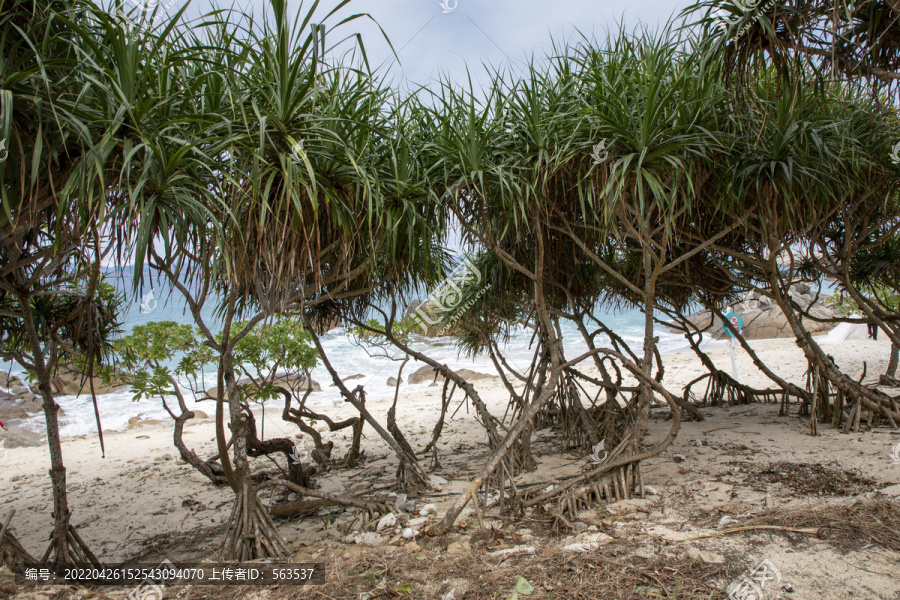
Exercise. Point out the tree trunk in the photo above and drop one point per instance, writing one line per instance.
(646, 393)
(871, 399)
(58, 548)
(415, 476)
(250, 533)
(895, 358)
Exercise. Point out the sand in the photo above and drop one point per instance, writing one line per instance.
(139, 501)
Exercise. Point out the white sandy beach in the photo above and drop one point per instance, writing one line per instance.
(139, 497)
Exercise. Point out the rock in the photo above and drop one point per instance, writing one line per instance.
(392, 382)
(23, 393)
(7, 581)
(418, 521)
(352, 377)
(326, 325)
(32, 406)
(387, 521)
(622, 507)
(402, 503)
(412, 308)
(428, 374)
(12, 412)
(138, 421)
(470, 375)
(586, 542)
(437, 481)
(762, 319)
(69, 382)
(289, 383)
(200, 415)
(425, 374)
(588, 516)
(893, 490)
(409, 533)
(293, 383)
(678, 457)
(428, 509)
(19, 438)
(373, 540)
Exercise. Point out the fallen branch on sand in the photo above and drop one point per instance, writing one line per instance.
(807, 531)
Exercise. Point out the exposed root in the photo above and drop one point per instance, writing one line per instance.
(250, 533)
(298, 472)
(322, 499)
(73, 551)
(11, 551)
(722, 389)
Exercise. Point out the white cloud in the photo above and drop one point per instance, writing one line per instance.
(430, 42)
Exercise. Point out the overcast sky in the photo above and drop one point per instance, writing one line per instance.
(432, 39)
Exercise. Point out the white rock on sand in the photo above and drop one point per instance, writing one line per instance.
(370, 539)
(586, 542)
(386, 522)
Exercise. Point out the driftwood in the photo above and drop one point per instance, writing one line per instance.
(807, 531)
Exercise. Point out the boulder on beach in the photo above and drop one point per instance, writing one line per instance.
(428, 374)
(470, 375)
(289, 383)
(14, 389)
(139, 421)
(346, 379)
(9, 412)
(292, 383)
(762, 319)
(69, 382)
(425, 374)
(16, 437)
(392, 382)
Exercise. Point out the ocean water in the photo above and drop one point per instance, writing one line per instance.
(156, 302)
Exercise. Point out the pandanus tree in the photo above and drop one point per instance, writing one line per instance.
(579, 179)
(801, 167)
(851, 40)
(815, 62)
(404, 230)
(262, 195)
(59, 172)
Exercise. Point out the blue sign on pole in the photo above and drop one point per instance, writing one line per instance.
(736, 321)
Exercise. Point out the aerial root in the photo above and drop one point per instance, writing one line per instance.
(250, 532)
(11, 551)
(566, 499)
